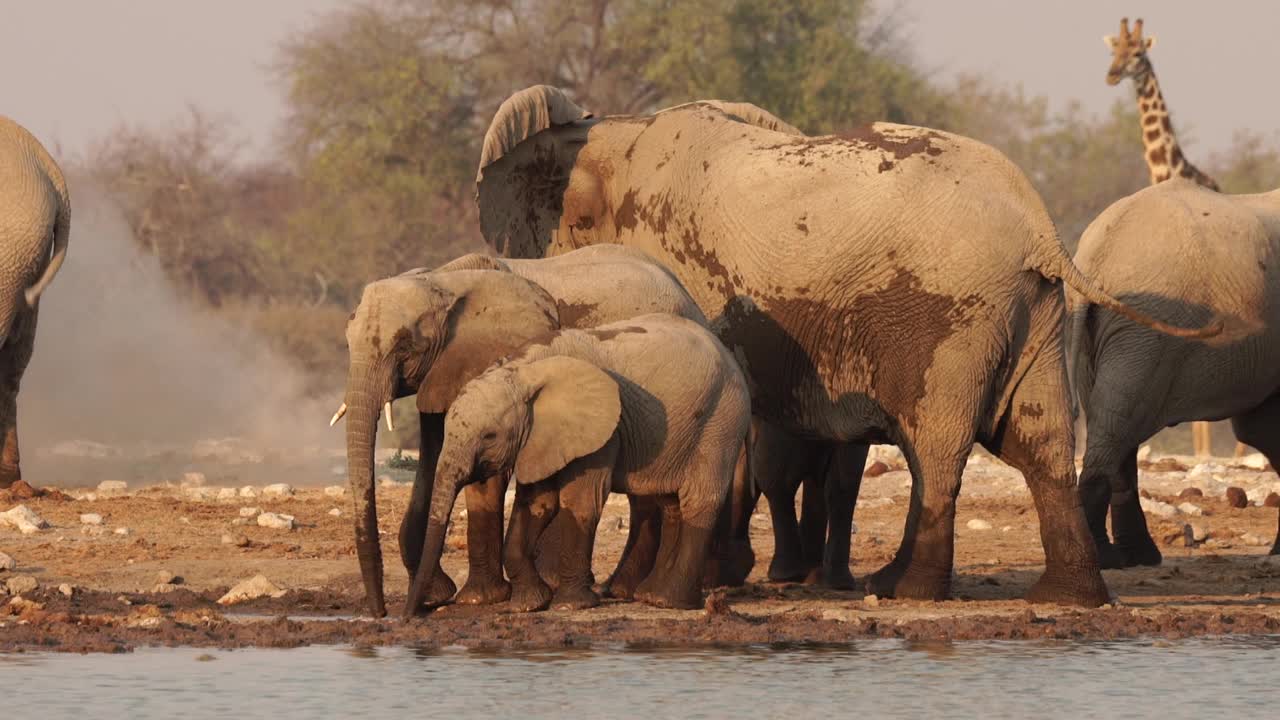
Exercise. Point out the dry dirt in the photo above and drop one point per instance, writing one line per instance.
(1226, 584)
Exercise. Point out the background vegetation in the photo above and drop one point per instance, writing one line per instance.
(388, 102)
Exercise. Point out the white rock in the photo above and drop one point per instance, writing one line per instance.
(1257, 494)
(226, 493)
(335, 512)
(1212, 471)
(871, 601)
(976, 524)
(121, 531)
(1253, 540)
(23, 519)
(1157, 507)
(248, 491)
(249, 511)
(1256, 461)
(193, 479)
(276, 521)
(112, 488)
(277, 490)
(1144, 452)
(66, 589)
(335, 491)
(1187, 508)
(1198, 532)
(7, 562)
(19, 584)
(255, 587)
(1006, 528)
(91, 519)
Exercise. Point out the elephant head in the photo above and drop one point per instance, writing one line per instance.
(425, 334)
(530, 418)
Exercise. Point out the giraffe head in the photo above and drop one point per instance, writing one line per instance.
(1128, 51)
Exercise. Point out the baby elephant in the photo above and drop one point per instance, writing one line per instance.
(654, 407)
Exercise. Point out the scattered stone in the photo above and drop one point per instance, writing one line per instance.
(201, 494)
(112, 488)
(121, 531)
(871, 601)
(276, 521)
(91, 519)
(19, 584)
(1272, 500)
(255, 587)
(240, 521)
(1187, 508)
(248, 491)
(1191, 492)
(278, 490)
(1207, 470)
(22, 519)
(226, 493)
(1237, 497)
(335, 512)
(66, 589)
(123, 600)
(21, 605)
(1258, 495)
(235, 539)
(875, 469)
(1198, 532)
(1254, 461)
(1157, 507)
(7, 562)
(976, 524)
(1252, 540)
(335, 491)
(164, 577)
(248, 512)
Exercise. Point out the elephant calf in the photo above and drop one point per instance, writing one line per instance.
(1218, 255)
(653, 407)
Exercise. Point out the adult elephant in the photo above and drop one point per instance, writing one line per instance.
(893, 285)
(35, 223)
(1219, 254)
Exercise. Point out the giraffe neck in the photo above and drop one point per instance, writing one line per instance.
(1160, 143)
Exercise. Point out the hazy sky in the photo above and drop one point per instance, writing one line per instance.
(73, 69)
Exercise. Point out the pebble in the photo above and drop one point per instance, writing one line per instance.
(976, 524)
(335, 512)
(875, 469)
(112, 488)
(122, 531)
(91, 519)
(235, 539)
(1198, 532)
(1191, 492)
(335, 491)
(1237, 497)
(7, 562)
(1272, 500)
(66, 589)
(164, 577)
(23, 519)
(248, 491)
(1156, 507)
(1254, 461)
(1187, 508)
(871, 601)
(227, 493)
(277, 490)
(19, 584)
(246, 512)
(1253, 540)
(276, 521)
(255, 587)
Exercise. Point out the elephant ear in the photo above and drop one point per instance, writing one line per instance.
(575, 410)
(474, 261)
(497, 313)
(524, 115)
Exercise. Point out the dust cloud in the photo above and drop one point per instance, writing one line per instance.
(126, 369)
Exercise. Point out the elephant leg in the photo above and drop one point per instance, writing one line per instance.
(1260, 427)
(1036, 437)
(584, 487)
(413, 529)
(1128, 523)
(534, 508)
(813, 518)
(14, 357)
(1104, 488)
(844, 480)
(641, 550)
(733, 558)
(777, 468)
(485, 583)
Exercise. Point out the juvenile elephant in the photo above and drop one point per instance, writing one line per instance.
(427, 333)
(1218, 255)
(653, 407)
(35, 224)
(893, 284)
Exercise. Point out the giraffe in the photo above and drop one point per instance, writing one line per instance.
(1160, 144)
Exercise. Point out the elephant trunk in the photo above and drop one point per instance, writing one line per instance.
(368, 387)
(452, 470)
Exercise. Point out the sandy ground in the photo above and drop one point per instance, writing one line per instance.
(1223, 584)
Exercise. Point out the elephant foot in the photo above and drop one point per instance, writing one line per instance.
(813, 577)
(909, 583)
(1138, 551)
(441, 592)
(9, 474)
(730, 567)
(530, 597)
(838, 578)
(579, 598)
(1084, 588)
(621, 586)
(663, 595)
(1110, 557)
(483, 588)
(785, 568)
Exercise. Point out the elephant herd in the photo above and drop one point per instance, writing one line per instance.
(703, 304)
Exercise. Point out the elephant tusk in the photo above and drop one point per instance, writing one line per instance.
(386, 410)
(342, 410)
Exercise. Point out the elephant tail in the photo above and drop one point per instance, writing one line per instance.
(61, 228)
(1058, 266)
(1079, 350)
